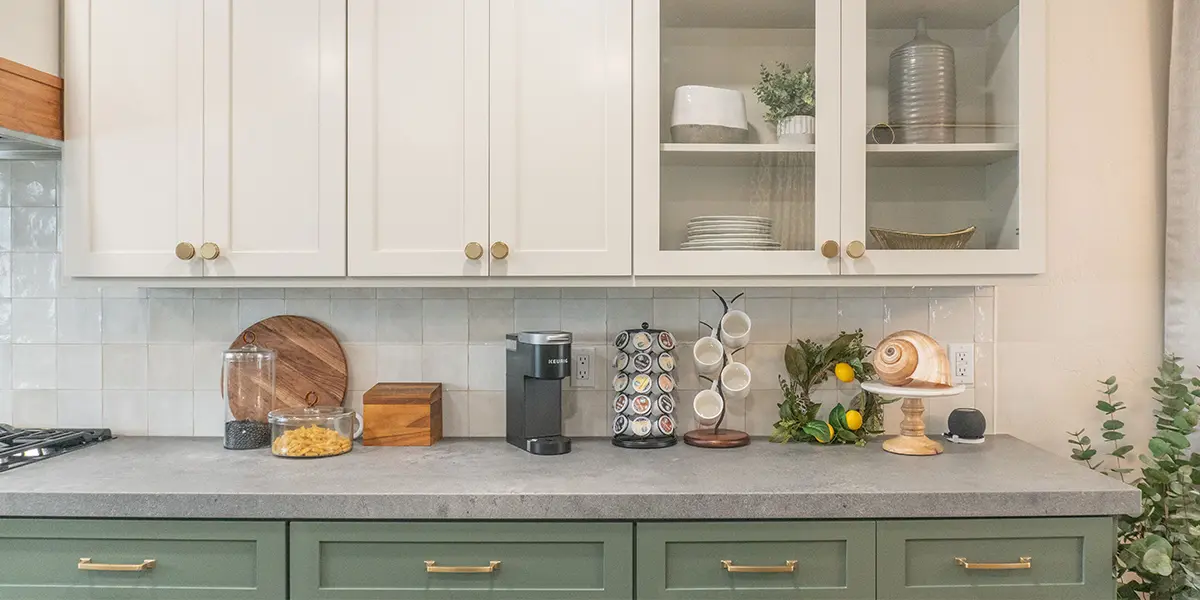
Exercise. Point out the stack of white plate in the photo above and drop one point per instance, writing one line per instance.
(729, 233)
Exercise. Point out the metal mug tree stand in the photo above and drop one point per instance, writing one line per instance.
(714, 436)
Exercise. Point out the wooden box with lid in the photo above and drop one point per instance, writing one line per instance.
(402, 414)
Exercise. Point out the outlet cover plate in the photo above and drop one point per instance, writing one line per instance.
(962, 363)
(583, 368)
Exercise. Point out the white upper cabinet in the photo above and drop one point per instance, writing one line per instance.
(705, 147)
(561, 172)
(418, 137)
(134, 127)
(978, 170)
(275, 137)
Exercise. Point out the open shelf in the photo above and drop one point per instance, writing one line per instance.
(938, 155)
(727, 155)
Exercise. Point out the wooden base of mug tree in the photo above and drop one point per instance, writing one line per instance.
(720, 438)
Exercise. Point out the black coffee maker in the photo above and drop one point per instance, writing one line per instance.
(536, 363)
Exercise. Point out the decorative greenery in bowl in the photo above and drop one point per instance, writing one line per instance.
(787, 93)
(809, 364)
(1158, 551)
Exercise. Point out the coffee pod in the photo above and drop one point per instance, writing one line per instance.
(620, 403)
(641, 405)
(642, 362)
(666, 383)
(666, 404)
(666, 362)
(621, 362)
(620, 382)
(642, 383)
(642, 341)
(620, 425)
(641, 426)
(621, 340)
(665, 341)
(665, 425)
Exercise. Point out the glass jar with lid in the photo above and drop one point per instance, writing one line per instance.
(312, 432)
(248, 388)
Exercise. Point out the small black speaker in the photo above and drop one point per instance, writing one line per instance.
(966, 425)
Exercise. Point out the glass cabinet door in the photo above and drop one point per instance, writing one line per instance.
(943, 142)
(717, 190)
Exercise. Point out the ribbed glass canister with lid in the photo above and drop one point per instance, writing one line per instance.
(248, 388)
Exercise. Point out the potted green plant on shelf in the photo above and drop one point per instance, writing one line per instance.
(791, 100)
(1158, 550)
(808, 364)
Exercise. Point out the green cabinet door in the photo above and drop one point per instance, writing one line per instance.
(833, 560)
(192, 560)
(1068, 559)
(532, 561)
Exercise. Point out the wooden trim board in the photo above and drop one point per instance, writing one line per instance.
(30, 100)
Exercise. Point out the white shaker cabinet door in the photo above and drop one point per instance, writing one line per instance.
(418, 140)
(275, 137)
(561, 137)
(132, 167)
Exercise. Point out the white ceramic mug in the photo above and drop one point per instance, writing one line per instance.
(735, 381)
(708, 353)
(735, 329)
(708, 406)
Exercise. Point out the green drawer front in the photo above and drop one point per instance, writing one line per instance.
(1070, 559)
(209, 560)
(834, 560)
(387, 560)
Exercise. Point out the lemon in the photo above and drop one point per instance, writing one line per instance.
(853, 420)
(844, 372)
(830, 434)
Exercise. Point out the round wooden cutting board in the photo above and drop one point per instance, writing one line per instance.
(309, 359)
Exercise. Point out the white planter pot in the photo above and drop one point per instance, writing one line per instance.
(800, 129)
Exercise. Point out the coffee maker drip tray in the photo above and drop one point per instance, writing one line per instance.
(554, 444)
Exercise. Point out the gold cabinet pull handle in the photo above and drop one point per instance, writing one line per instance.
(209, 251)
(1026, 563)
(787, 567)
(473, 250)
(499, 251)
(856, 249)
(185, 251)
(829, 249)
(86, 564)
(431, 567)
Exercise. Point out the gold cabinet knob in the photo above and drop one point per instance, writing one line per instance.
(185, 251)
(499, 250)
(474, 250)
(829, 249)
(856, 249)
(209, 251)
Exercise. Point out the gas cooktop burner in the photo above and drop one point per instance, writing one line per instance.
(20, 447)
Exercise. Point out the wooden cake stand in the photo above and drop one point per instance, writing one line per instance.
(912, 440)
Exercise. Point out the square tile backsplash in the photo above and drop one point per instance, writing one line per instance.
(147, 361)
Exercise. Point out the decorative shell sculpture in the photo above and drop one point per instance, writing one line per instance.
(912, 359)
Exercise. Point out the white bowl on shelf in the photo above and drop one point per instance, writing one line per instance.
(709, 115)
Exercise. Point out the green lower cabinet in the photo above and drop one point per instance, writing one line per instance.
(43, 559)
(531, 561)
(996, 559)
(828, 560)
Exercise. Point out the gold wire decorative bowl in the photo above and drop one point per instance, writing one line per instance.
(890, 239)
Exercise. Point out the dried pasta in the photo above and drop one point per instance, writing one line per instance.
(310, 441)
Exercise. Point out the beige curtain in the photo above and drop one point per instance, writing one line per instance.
(1182, 297)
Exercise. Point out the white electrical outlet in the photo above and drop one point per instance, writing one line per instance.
(583, 361)
(962, 363)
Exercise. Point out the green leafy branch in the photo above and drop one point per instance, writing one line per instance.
(787, 93)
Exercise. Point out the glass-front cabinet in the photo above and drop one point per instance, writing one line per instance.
(852, 137)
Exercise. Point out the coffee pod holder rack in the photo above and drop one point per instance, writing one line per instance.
(661, 413)
(715, 436)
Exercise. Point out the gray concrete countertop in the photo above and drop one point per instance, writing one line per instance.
(180, 478)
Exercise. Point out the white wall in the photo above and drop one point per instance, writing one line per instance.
(1098, 309)
(29, 33)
